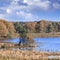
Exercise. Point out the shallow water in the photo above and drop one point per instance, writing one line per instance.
(42, 44)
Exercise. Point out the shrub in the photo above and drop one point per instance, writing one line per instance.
(3, 46)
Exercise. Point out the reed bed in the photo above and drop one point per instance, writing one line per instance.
(27, 55)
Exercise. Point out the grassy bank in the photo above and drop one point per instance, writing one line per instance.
(42, 35)
(7, 52)
(26, 55)
(35, 35)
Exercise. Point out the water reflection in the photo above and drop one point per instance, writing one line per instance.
(23, 41)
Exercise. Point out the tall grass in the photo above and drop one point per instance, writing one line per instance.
(26, 55)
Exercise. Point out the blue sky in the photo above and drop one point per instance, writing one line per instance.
(30, 10)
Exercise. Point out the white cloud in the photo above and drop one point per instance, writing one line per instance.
(38, 3)
(8, 11)
(14, 10)
(31, 4)
(14, 2)
(27, 16)
(56, 5)
(1, 16)
(22, 13)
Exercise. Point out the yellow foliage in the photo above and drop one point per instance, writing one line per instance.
(6, 28)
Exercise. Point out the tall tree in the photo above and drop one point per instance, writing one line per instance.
(49, 28)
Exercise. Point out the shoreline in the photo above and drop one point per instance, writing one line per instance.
(43, 35)
(35, 35)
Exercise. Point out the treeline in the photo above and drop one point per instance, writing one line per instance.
(37, 27)
(7, 29)
(14, 29)
(48, 27)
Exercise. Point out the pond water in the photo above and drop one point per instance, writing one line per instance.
(48, 44)
(15, 40)
(42, 44)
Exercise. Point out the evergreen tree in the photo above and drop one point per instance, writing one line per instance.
(49, 28)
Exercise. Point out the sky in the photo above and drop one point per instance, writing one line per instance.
(30, 10)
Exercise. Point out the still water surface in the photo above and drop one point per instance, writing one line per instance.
(48, 44)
